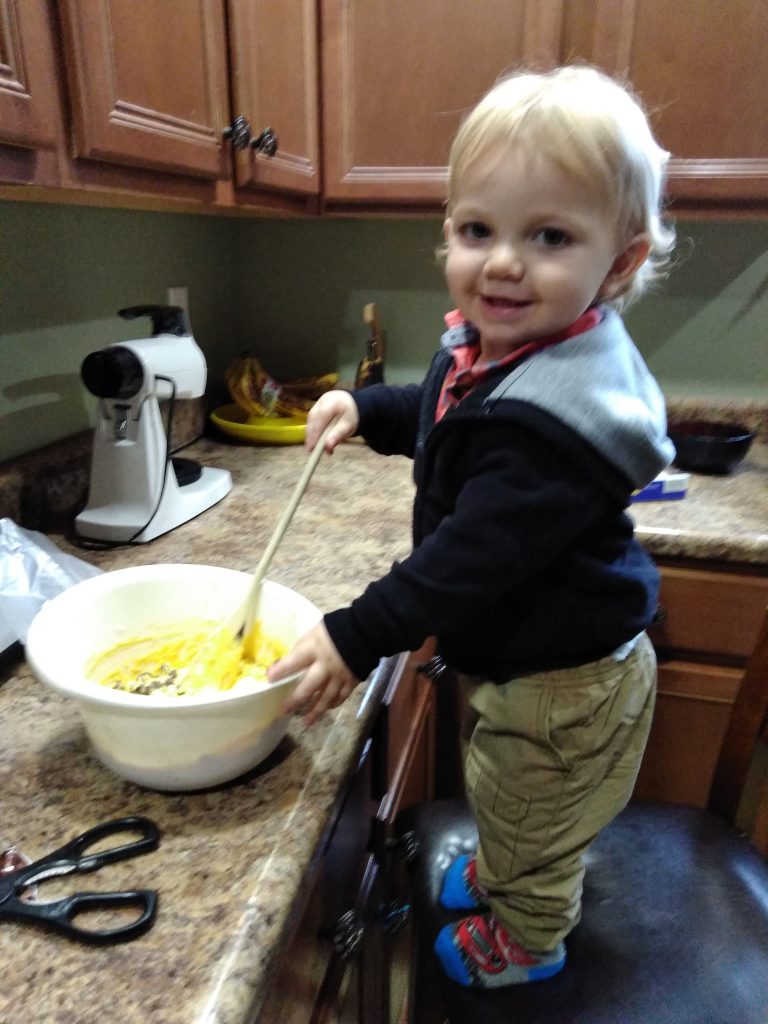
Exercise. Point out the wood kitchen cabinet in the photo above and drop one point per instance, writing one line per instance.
(129, 98)
(700, 69)
(274, 79)
(27, 115)
(346, 961)
(29, 107)
(407, 737)
(148, 86)
(709, 617)
(152, 88)
(397, 78)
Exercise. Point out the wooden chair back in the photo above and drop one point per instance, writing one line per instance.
(739, 789)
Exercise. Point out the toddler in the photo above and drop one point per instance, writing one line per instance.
(535, 422)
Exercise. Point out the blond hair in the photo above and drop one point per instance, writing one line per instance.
(595, 130)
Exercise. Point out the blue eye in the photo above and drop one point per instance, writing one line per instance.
(554, 238)
(474, 231)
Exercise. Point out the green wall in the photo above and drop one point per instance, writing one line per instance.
(293, 291)
(64, 273)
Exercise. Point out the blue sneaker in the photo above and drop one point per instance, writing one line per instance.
(477, 952)
(461, 889)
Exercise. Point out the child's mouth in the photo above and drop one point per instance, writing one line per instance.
(504, 305)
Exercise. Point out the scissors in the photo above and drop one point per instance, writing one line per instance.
(72, 858)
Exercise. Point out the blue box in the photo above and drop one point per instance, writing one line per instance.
(668, 486)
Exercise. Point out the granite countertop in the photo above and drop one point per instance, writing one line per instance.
(721, 518)
(233, 861)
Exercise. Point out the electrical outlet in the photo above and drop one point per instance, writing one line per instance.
(179, 296)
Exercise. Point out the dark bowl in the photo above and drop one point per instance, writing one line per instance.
(706, 447)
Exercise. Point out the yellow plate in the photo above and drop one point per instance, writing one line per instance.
(264, 430)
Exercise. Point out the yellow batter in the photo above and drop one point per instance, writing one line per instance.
(201, 657)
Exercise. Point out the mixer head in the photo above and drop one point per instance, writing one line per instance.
(170, 363)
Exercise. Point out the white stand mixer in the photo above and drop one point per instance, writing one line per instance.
(137, 492)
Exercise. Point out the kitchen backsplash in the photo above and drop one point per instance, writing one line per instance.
(292, 292)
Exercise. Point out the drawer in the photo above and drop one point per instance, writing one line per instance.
(693, 708)
(715, 613)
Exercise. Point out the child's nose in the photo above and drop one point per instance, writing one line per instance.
(505, 260)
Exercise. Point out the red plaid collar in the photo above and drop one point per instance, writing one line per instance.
(466, 372)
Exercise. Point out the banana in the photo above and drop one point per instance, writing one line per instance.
(258, 394)
(244, 387)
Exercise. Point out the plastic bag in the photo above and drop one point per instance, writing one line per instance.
(32, 570)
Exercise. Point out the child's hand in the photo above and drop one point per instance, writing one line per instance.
(330, 406)
(327, 683)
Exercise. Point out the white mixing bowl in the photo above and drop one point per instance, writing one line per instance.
(165, 743)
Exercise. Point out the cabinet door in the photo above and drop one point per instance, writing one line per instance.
(408, 740)
(700, 68)
(28, 88)
(692, 711)
(317, 971)
(397, 77)
(273, 50)
(352, 992)
(148, 82)
(399, 715)
(413, 783)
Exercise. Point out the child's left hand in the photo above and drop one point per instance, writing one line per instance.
(327, 683)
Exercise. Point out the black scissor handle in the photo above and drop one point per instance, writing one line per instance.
(60, 914)
(73, 858)
(77, 849)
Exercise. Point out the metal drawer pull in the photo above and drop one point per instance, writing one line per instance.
(265, 143)
(393, 916)
(239, 134)
(660, 615)
(433, 669)
(346, 936)
(407, 845)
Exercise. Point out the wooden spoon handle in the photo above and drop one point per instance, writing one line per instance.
(252, 601)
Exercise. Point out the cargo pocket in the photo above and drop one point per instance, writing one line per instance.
(499, 813)
(581, 721)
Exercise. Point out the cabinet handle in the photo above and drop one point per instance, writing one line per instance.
(407, 845)
(265, 143)
(393, 916)
(660, 615)
(346, 936)
(239, 134)
(433, 669)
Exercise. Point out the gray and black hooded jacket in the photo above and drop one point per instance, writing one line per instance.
(523, 555)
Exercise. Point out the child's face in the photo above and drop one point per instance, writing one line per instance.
(530, 249)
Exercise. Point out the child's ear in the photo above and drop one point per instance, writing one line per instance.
(626, 264)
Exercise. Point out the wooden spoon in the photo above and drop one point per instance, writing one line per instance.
(253, 600)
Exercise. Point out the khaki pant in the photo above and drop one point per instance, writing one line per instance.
(549, 760)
